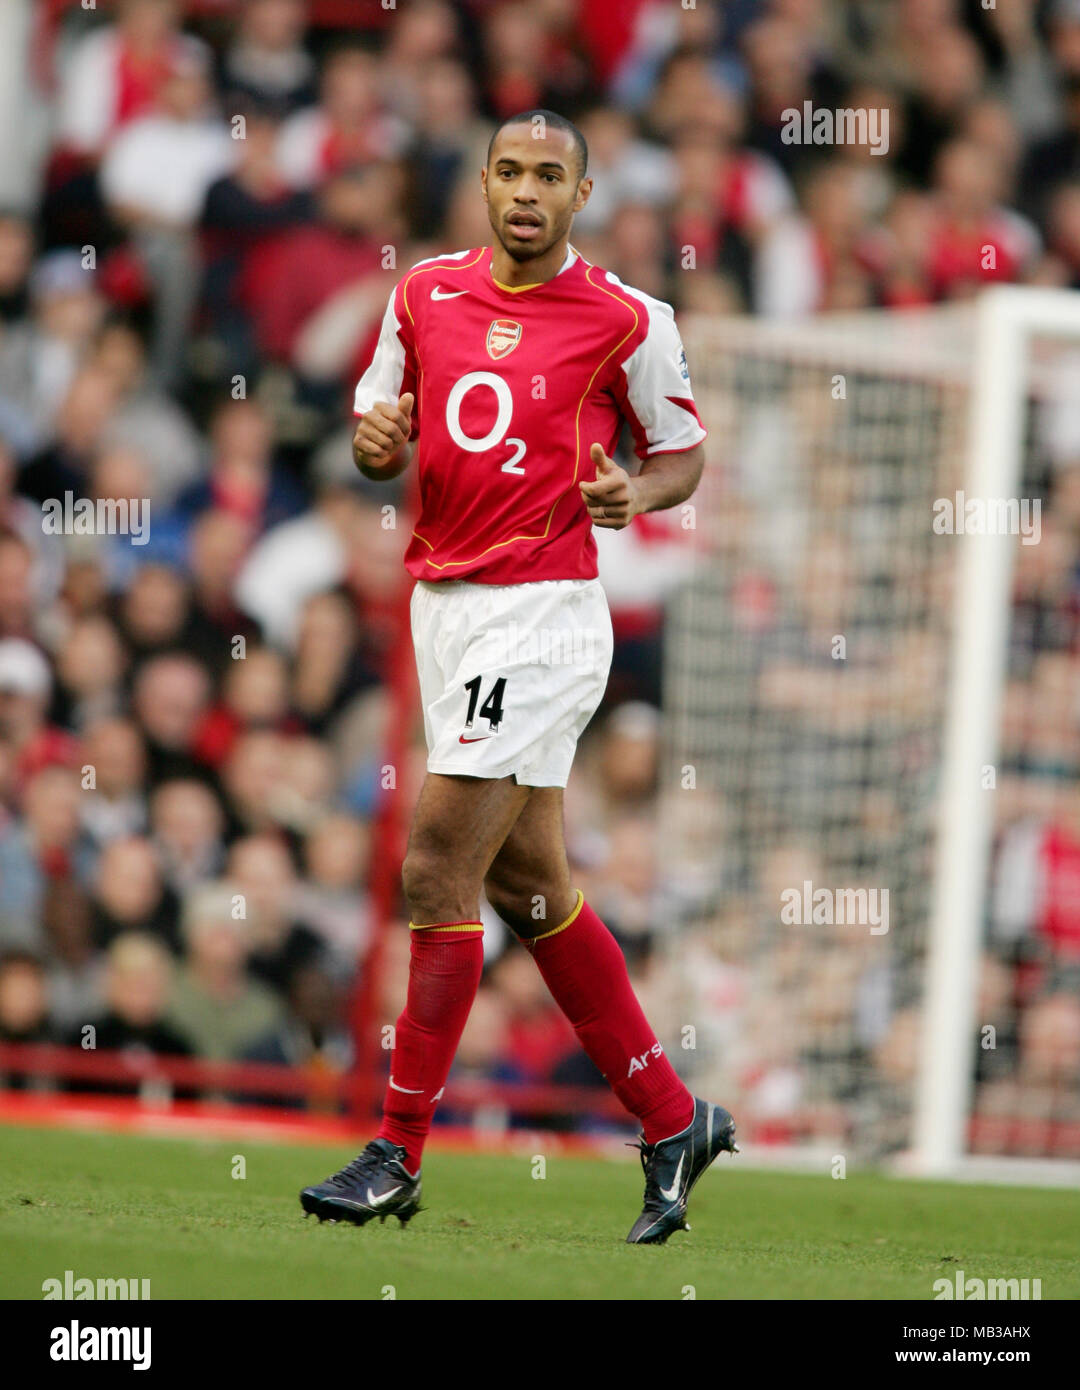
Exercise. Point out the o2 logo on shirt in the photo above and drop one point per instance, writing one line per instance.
(497, 434)
(503, 337)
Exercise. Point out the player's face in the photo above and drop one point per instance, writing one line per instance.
(532, 190)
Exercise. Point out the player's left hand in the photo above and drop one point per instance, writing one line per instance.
(610, 498)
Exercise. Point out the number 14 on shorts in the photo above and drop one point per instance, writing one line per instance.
(491, 709)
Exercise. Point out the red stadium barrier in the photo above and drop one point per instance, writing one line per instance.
(207, 1120)
(73, 1064)
(330, 1119)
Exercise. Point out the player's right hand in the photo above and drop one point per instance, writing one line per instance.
(381, 432)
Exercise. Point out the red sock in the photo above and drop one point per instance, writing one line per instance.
(585, 970)
(444, 971)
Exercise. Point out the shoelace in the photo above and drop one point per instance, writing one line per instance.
(361, 1167)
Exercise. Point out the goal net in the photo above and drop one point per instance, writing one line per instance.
(870, 816)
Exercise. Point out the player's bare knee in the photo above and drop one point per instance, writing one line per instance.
(433, 891)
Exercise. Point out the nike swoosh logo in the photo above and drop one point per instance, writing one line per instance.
(463, 739)
(671, 1194)
(404, 1089)
(439, 293)
(374, 1201)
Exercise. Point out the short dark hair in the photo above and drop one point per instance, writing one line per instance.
(551, 118)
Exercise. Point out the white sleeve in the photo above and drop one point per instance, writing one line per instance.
(771, 194)
(787, 281)
(88, 93)
(121, 174)
(298, 145)
(390, 373)
(1017, 887)
(657, 398)
(287, 566)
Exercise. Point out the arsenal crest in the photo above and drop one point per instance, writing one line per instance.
(502, 337)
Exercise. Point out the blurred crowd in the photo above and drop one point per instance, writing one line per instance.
(192, 722)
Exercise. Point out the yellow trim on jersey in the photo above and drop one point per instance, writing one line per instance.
(446, 926)
(518, 289)
(456, 564)
(531, 941)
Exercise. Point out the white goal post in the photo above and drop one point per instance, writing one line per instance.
(1008, 318)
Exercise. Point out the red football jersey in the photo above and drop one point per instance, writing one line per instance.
(512, 386)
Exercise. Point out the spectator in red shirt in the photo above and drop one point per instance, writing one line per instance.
(1058, 921)
(25, 691)
(301, 272)
(348, 127)
(255, 696)
(975, 240)
(244, 480)
(115, 75)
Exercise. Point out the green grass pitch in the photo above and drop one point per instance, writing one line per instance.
(168, 1210)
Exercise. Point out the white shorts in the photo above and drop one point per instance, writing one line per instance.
(510, 674)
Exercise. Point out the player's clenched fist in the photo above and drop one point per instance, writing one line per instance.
(610, 499)
(381, 432)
